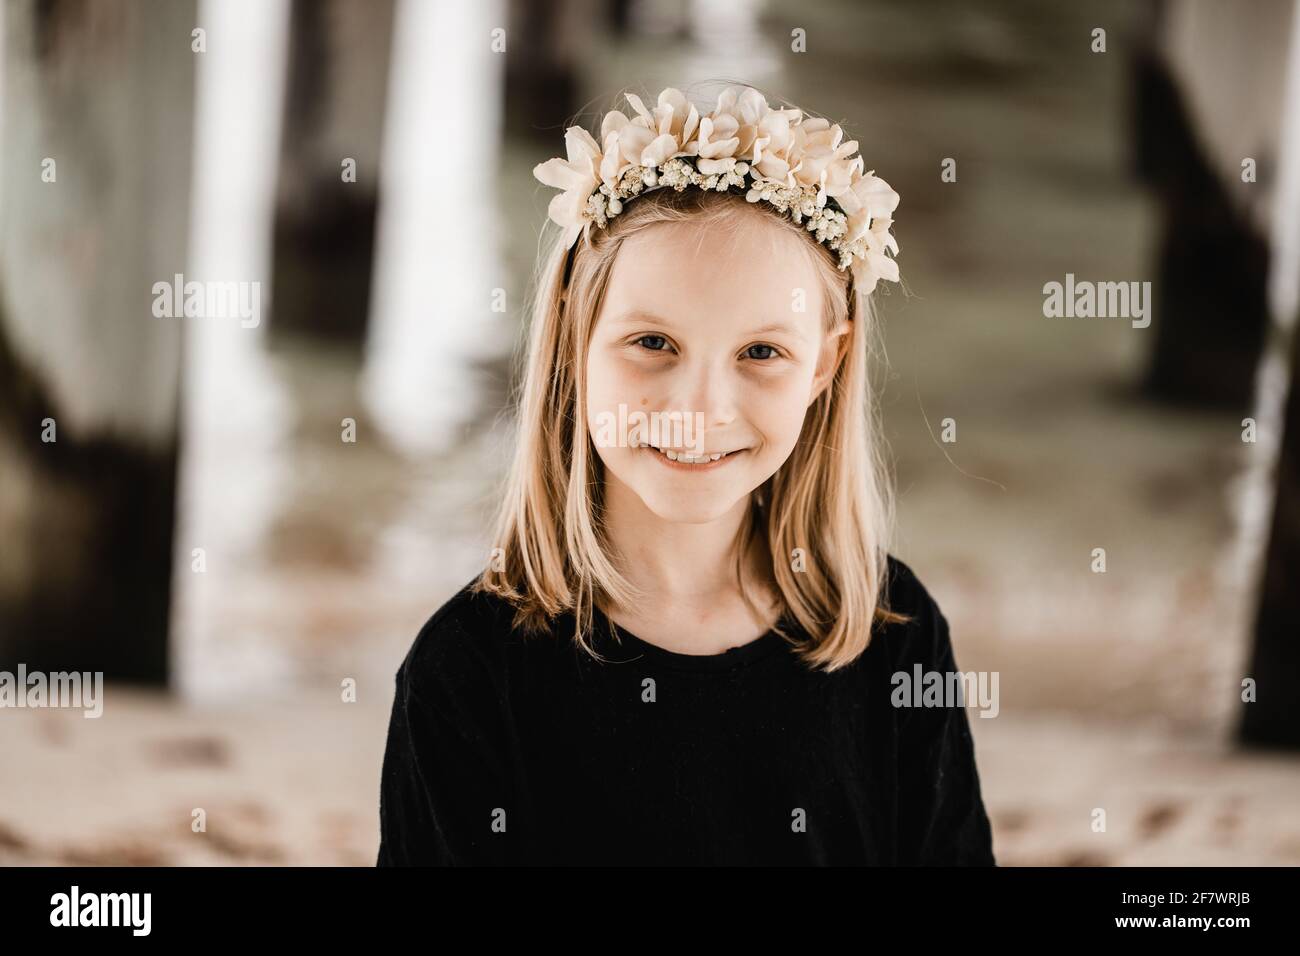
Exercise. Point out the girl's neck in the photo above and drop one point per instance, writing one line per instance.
(684, 565)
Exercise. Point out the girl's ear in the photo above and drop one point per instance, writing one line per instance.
(834, 347)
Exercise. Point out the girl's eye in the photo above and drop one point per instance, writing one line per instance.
(655, 343)
(771, 352)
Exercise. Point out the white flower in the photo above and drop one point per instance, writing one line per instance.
(773, 144)
(873, 264)
(867, 198)
(577, 177)
(651, 139)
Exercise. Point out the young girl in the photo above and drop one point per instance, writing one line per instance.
(687, 645)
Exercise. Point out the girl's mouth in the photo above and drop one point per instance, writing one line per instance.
(684, 460)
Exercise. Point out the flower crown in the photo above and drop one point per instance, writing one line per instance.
(796, 163)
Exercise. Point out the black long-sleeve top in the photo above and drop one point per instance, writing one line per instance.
(505, 749)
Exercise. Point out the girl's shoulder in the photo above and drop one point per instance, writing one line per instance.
(467, 635)
(925, 637)
(903, 589)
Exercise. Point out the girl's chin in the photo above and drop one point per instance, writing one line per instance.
(674, 511)
(686, 501)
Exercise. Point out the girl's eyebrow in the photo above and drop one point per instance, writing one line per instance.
(777, 327)
(640, 315)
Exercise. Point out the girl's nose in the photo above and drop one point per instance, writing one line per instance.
(708, 387)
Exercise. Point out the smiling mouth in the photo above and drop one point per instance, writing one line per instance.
(683, 457)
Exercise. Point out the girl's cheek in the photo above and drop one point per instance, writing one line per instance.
(779, 393)
(634, 374)
(612, 377)
(608, 377)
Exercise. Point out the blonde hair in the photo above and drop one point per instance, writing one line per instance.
(832, 498)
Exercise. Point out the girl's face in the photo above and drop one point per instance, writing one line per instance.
(709, 342)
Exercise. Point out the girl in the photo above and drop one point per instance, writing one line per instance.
(690, 642)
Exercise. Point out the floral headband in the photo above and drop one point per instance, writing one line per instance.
(795, 163)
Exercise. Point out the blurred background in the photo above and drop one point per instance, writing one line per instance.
(237, 517)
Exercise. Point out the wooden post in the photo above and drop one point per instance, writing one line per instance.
(325, 212)
(1272, 718)
(94, 198)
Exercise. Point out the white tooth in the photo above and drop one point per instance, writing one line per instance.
(715, 457)
(672, 455)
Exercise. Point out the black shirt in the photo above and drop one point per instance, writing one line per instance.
(505, 749)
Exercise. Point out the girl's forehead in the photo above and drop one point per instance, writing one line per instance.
(741, 255)
(695, 294)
